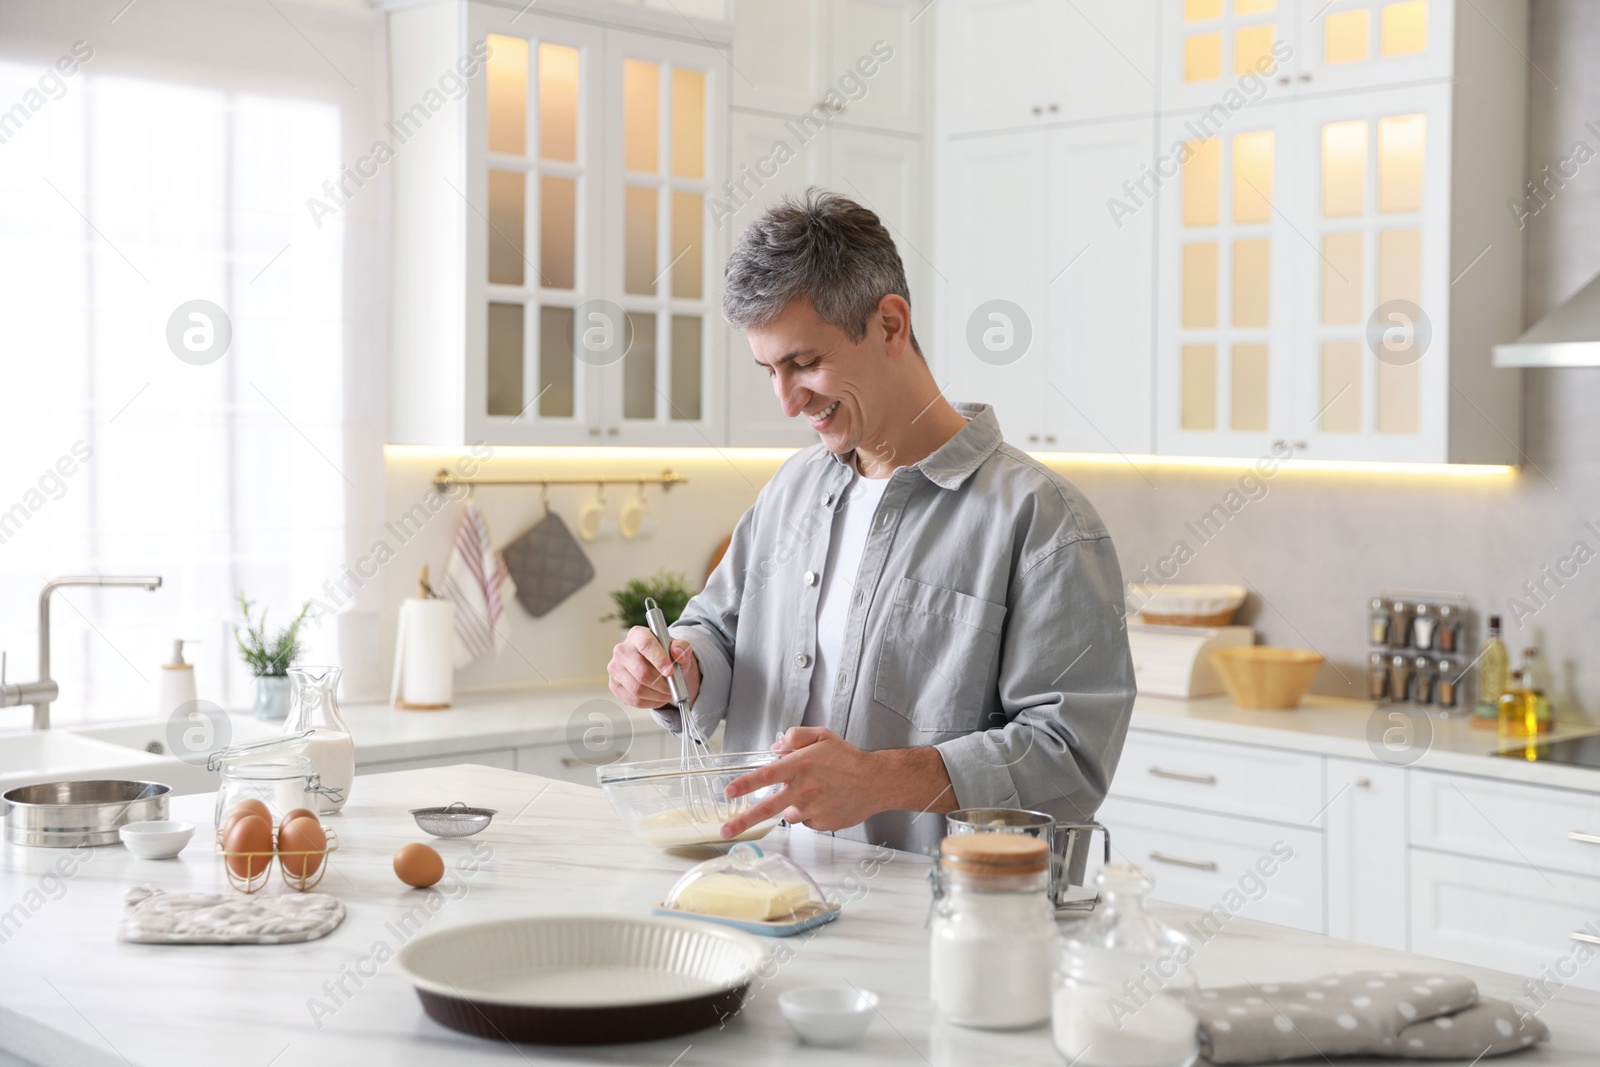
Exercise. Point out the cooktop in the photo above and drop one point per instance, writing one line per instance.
(1578, 751)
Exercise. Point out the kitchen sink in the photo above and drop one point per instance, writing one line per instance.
(151, 736)
(54, 755)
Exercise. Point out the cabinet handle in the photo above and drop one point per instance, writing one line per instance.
(1588, 939)
(574, 761)
(1198, 865)
(1299, 446)
(1583, 839)
(1361, 782)
(1054, 108)
(611, 431)
(1283, 79)
(594, 431)
(1037, 110)
(1305, 77)
(1180, 776)
(1033, 438)
(1278, 445)
(1049, 438)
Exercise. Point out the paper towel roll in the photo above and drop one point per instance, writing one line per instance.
(424, 669)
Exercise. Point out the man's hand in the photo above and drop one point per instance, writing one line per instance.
(639, 668)
(829, 784)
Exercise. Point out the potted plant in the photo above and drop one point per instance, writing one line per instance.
(669, 589)
(268, 658)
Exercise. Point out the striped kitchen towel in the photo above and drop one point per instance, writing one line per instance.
(477, 583)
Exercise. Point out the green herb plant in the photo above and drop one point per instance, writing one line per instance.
(669, 589)
(267, 657)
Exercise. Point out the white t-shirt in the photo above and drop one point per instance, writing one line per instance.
(851, 524)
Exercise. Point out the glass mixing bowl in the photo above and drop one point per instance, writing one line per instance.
(669, 804)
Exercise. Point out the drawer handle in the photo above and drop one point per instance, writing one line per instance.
(574, 761)
(1584, 839)
(1180, 776)
(1198, 865)
(1361, 782)
(1588, 939)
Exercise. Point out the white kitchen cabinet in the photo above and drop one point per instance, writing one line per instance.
(857, 62)
(1364, 827)
(555, 270)
(1304, 47)
(1258, 783)
(993, 195)
(1046, 296)
(1509, 916)
(1009, 64)
(1333, 272)
(1099, 293)
(1551, 829)
(563, 762)
(498, 757)
(1244, 867)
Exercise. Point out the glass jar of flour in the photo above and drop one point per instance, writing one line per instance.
(993, 931)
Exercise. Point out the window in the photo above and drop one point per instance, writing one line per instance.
(145, 433)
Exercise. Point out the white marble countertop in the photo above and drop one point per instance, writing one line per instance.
(1353, 729)
(70, 994)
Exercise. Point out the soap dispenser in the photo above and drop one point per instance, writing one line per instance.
(175, 685)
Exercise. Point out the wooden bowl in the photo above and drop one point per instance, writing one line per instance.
(1260, 676)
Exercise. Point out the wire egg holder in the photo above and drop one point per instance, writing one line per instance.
(255, 881)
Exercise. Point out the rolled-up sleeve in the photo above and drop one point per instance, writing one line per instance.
(1066, 689)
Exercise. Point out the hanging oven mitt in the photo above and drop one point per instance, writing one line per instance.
(547, 564)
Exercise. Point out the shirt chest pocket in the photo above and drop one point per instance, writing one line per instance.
(940, 657)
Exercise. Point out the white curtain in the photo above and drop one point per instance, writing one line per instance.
(169, 164)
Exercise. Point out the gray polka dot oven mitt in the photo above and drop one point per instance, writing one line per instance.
(1362, 1013)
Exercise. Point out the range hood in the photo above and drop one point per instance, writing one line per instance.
(1569, 336)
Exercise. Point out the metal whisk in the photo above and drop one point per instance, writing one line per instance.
(699, 795)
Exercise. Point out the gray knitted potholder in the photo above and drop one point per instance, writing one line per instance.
(547, 564)
(155, 917)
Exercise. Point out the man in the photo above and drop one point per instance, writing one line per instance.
(923, 616)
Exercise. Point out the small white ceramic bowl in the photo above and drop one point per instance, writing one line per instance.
(158, 839)
(829, 1016)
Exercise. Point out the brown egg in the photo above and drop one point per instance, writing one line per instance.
(255, 807)
(418, 865)
(253, 835)
(297, 813)
(301, 835)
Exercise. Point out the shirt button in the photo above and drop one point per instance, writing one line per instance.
(802, 660)
(810, 578)
(827, 499)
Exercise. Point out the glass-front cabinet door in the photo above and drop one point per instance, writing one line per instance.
(1215, 48)
(1372, 380)
(1363, 44)
(661, 261)
(1226, 288)
(589, 286)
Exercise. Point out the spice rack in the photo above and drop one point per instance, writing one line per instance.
(1418, 650)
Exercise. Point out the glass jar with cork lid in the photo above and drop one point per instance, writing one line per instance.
(993, 931)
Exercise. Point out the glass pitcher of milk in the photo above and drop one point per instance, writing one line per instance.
(315, 707)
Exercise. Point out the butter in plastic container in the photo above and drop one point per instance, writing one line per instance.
(753, 891)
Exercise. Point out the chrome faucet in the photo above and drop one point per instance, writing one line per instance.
(42, 692)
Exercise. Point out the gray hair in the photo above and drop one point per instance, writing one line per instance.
(821, 246)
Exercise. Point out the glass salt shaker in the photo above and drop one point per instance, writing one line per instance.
(994, 931)
(1122, 981)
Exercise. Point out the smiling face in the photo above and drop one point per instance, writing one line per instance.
(843, 388)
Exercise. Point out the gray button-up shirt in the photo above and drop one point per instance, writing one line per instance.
(986, 620)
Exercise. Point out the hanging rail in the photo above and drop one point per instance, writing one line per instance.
(666, 479)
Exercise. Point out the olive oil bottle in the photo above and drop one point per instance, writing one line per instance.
(1494, 665)
(1524, 710)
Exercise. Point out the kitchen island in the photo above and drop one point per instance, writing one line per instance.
(71, 994)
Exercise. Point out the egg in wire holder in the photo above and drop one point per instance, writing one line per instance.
(303, 882)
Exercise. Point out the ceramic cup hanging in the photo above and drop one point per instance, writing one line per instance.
(636, 522)
(595, 523)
